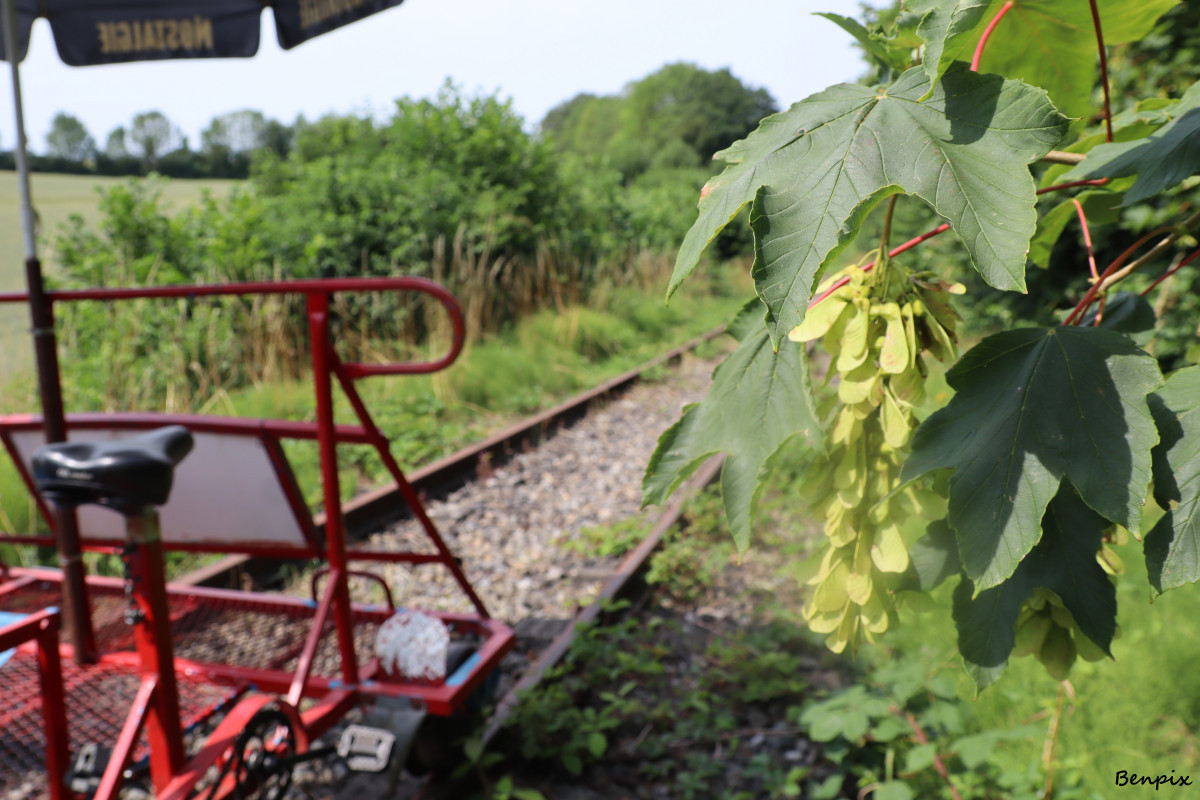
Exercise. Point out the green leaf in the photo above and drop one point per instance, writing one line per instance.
(1032, 406)
(847, 714)
(920, 757)
(976, 750)
(931, 559)
(759, 399)
(889, 728)
(949, 29)
(1160, 160)
(1173, 545)
(572, 763)
(597, 744)
(892, 790)
(813, 172)
(1045, 43)
(473, 749)
(1064, 561)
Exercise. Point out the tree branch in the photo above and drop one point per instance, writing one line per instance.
(1062, 157)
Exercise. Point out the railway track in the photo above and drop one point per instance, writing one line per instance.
(374, 510)
(378, 515)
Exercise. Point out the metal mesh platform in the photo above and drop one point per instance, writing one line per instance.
(98, 698)
(244, 632)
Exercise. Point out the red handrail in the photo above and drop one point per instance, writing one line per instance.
(316, 286)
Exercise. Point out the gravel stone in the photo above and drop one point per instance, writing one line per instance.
(510, 530)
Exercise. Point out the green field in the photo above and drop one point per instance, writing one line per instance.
(56, 198)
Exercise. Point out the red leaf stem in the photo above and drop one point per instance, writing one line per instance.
(1060, 186)
(1103, 69)
(1171, 272)
(1087, 238)
(1113, 267)
(895, 251)
(920, 736)
(987, 33)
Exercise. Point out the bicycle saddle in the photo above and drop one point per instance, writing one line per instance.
(126, 475)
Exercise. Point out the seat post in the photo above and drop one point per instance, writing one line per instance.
(152, 635)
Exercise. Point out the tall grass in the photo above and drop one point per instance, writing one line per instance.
(192, 354)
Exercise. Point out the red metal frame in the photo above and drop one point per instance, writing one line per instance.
(41, 629)
(156, 707)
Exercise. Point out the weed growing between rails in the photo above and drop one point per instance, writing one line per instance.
(1054, 433)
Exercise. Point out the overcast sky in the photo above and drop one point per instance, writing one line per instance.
(536, 52)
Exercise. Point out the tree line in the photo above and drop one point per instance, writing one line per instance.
(151, 142)
(455, 187)
(674, 118)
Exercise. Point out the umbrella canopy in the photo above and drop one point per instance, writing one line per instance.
(89, 32)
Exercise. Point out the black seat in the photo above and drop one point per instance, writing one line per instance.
(126, 475)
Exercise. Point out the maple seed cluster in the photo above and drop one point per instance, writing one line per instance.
(1048, 631)
(877, 329)
(1045, 628)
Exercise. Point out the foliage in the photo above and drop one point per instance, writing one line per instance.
(899, 730)
(352, 198)
(151, 136)
(69, 139)
(628, 690)
(451, 188)
(903, 731)
(689, 560)
(1053, 434)
(152, 143)
(231, 140)
(676, 117)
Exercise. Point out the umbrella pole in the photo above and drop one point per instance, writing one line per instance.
(41, 312)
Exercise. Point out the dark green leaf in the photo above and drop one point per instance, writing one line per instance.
(759, 399)
(1160, 160)
(1173, 546)
(985, 627)
(1046, 43)
(1064, 562)
(572, 763)
(931, 559)
(1125, 312)
(813, 172)
(597, 744)
(1032, 406)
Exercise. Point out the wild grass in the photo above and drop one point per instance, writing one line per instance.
(56, 198)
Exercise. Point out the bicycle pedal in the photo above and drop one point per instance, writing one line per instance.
(87, 768)
(366, 749)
